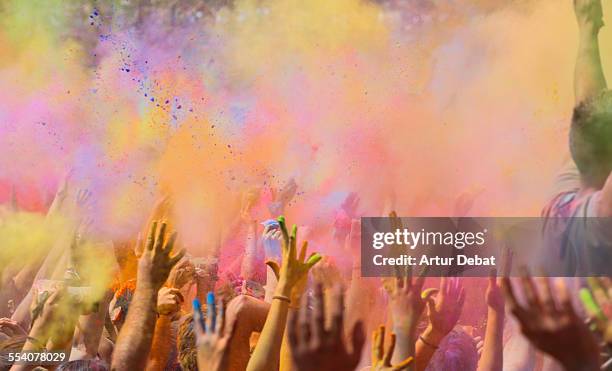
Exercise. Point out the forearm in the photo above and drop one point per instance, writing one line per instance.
(492, 352)
(91, 326)
(589, 78)
(22, 314)
(286, 362)
(405, 335)
(160, 348)
(360, 298)
(135, 338)
(267, 352)
(247, 269)
(424, 351)
(37, 338)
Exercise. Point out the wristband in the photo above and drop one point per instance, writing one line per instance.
(282, 298)
(427, 343)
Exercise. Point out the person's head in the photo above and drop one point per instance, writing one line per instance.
(591, 139)
(457, 352)
(187, 352)
(83, 365)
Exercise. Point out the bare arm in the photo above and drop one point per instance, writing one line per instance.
(589, 78)
(250, 316)
(444, 313)
(136, 336)
(161, 344)
(293, 270)
(169, 302)
(247, 270)
(492, 358)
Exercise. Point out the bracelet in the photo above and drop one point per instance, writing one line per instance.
(282, 298)
(427, 343)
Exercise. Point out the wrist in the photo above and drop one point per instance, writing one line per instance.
(433, 336)
(283, 288)
(589, 28)
(147, 287)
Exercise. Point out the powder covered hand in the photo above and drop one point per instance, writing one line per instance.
(552, 325)
(316, 347)
(156, 261)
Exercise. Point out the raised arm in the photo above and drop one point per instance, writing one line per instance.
(294, 269)
(492, 358)
(589, 78)
(168, 306)
(136, 336)
(444, 312)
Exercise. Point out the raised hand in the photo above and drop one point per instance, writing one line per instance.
(11, 328)
(181, 274)
(156, 261)
(381, 359)
(282, 198)
(249, 199)
(552, 325)
(316, 347)
(589, 11)
(212, 340)
(598, 303)
(445, 310)
(293, 272)
(494, 295)
(406, 303)
(169, 301)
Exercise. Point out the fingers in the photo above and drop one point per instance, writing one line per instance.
(313, 259)
(377, 344)
(283, 228)
(275, 267)
(169, 245)
(303, 251)
(337, 314)
(597, 289)
(176, 258)
(461, 300)
(403, 365)
(593, 310)
(513, 304)
(547, 298)
(151, 236)
(221, 316)
(444, 286)
(531, 294)
(507, 256)
(161, 236)
(358, 341)
(492, 278)
(389, 352)
(198, 321)
(564, 296)
(211, 311)
(418, 285)
(408, 277)
(318, 324)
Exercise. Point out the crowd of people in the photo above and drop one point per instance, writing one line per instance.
(278, 306)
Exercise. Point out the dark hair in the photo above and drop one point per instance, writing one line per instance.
(187, 352)
(83, 365)
(591, 139)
